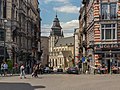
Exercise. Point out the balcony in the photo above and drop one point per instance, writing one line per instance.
(14, 24)
(108, 17)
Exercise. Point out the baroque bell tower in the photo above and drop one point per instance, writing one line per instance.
(55, 33)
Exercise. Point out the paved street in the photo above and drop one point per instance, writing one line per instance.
(61, 82)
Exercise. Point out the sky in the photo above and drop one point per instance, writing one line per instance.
(67, 12)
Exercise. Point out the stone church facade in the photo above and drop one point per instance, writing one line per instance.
(61, 49)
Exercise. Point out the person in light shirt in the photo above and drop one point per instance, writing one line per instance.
(22, 71)
(5, 69)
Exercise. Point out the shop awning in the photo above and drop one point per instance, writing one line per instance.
(102, 52)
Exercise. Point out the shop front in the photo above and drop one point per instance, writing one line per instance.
(108, 56)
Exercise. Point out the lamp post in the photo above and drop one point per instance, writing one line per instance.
(74, 45)
(91, 45)
(110, 62)
(5, 21)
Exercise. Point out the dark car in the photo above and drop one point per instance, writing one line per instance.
(59, 70)
(72, 70)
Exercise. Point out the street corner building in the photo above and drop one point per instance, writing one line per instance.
(20, 30)
(99, 25)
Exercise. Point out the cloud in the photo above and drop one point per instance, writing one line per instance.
(70, 24)
(62, 1)
(67, 27)
(45, 29)
(67, 9)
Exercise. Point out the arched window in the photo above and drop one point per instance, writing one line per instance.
(60, 61)
(53, 62)
(56, 62)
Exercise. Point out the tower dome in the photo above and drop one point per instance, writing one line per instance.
(56, 28)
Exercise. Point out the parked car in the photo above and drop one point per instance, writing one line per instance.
(47, 70)
(72, 70)
(59, 70)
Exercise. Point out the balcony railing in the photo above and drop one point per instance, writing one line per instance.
(108, 17)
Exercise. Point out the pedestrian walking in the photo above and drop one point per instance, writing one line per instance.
(35, 71)
(22, 71)
(41, 68)
(5, 69)
(2, 69)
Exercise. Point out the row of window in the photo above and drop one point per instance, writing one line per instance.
(108, 31)
(60, 49)
(54, 62)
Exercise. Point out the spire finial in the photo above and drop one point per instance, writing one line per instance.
(56, 14)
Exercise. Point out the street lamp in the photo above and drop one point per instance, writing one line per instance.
(110, 62)
(91, 45)
(5, 21)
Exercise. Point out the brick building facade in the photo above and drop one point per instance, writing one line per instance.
(101, 32)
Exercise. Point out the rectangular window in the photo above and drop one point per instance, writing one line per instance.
(104, 11)
(4, 8)
(108, 31)
(102, 33)
(108, 11)
(113, 14)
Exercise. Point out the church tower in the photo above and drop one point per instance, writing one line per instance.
(55, 33)
(56, 28)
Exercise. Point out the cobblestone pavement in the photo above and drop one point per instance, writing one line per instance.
(61, 82)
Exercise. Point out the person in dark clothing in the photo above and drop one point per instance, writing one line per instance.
(2, 69)
(35, 71)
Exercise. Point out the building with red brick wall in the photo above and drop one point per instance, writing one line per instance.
(101, 32)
